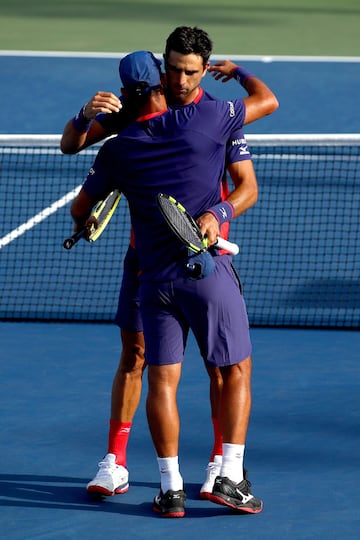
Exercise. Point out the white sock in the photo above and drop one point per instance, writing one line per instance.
(232, 462)
(170, 477)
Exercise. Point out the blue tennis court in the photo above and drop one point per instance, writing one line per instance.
(302, 448)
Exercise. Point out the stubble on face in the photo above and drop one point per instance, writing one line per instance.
(184, 73)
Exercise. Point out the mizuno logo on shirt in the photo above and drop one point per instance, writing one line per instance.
(244, 150)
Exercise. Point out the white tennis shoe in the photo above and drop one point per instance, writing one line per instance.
(212, 471)
(110, 478)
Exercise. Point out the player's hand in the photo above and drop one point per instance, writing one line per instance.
(91, 223)
(102, 102)
(209, 227)
(223, 70)
(88, 224)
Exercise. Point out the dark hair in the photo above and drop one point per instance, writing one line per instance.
(139, 94)
(188, 40)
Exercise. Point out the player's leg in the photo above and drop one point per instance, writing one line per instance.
(224, 341)
(214, 464)
(161, 408)
(113, 476)
(165, 336)
(164, 425)
(235, 402)
(127, 384)
(232, 487)
(126, 392)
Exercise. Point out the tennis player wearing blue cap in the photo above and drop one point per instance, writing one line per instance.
(140, 66)
(182, 152)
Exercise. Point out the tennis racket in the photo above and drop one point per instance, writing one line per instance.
(102, 212)
(186, 228)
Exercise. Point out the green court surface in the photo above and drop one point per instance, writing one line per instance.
(241, 27)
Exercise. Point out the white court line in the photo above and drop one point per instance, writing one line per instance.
(266, 58)
(45, 213)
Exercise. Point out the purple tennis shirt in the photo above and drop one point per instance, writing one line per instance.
(180, 152)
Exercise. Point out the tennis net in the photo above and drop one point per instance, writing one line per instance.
(299, 255)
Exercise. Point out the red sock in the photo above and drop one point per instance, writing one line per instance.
(118, 438)
(218, 439)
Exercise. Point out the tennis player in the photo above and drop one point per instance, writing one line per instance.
(181, 151)
(185, 47)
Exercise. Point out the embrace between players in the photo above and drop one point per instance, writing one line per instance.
(176, 139)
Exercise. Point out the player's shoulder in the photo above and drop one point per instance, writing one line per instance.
(111, 146)
(206, 96)
(221, 107)
(208, 100)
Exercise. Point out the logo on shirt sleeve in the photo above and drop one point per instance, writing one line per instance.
(231, 109)
(242, 144)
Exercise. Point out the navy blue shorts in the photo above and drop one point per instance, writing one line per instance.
(128, 312)
(212, 307)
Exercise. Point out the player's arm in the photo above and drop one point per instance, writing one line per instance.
(81, 208)
(83, 130)
(98, 184)
(243, 197)
(242, 172)
(261, 101)
(245, 193)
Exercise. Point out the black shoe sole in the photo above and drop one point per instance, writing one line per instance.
(173, 513)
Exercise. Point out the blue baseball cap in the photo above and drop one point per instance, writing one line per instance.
(140, 67)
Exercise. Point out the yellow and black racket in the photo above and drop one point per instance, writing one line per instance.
(186, 228)
(102, 212)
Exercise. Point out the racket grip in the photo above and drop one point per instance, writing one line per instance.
(72, 240)
(228, 246)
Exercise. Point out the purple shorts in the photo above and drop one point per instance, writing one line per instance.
(212, 307)
(128, 312)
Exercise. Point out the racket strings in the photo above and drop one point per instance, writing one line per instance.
(181, 223)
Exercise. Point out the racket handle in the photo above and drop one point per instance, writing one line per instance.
(72, 240)
(228, 246)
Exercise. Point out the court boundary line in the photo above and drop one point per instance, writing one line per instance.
(39, 217)
(266, 58)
